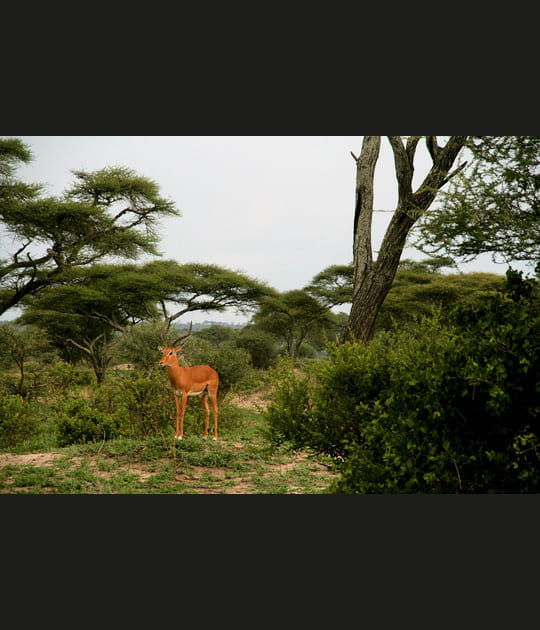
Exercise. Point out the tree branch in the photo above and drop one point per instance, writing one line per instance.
(404, 168)
(84, 348)
(455, 172)
(107, 320)
(432, 146)
(412, 142)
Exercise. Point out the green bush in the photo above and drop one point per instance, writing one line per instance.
(144, 405)
(9, 384)
(79, 422)
(289, 412)
(138, 345)
(142, 401)
(61, 376)
(230, 362)
(436, 409)
(261, 346)
(17, 423)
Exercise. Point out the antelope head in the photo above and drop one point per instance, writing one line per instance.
(169, 357)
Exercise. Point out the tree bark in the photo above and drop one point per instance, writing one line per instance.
(372, 280)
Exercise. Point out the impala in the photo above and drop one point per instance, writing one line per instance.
(199, 380)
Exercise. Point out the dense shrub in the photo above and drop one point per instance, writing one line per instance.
(143, 402)
(17, 423)
(79, 422)
(230, 362)
(261, 346)
(138, 345)
(138, 404)
(441, 409)
(61, 376)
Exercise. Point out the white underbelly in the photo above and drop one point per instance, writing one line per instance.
(190, 393)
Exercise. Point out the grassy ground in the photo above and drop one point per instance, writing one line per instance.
(240, 462)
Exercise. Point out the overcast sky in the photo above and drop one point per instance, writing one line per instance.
(278, 208)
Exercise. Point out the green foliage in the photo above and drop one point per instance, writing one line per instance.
(217, 334)
(230, 362)
(143, 402)
(17, 423)
(18, 345)
(138, 345)
(418, 287)
(289, 411)
(333, 285)
(493, 207)
(112, 211)
(260, 345)
(62, 377)
(80, 422)
(416, 290)
(445, 408)
(292, 316)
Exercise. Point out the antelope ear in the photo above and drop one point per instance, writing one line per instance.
(177, 348)
(160, 348)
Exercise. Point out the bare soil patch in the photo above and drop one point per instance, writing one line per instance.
(28, 459)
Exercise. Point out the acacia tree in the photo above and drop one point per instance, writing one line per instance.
(110, 212)
(493, 206)
(373, 278)
(205, 287)
(417, 288)
(103, 302)
(293, 316)
(333, 286)
(64, 312)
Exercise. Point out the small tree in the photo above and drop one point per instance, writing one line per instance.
(17, 345)
(333, 286)
(89, 314)
(230, 361)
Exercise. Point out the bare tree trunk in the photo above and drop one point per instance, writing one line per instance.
(98, 354)
(373, 279)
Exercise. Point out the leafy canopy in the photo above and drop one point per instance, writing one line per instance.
(493, 206)
(111, 213)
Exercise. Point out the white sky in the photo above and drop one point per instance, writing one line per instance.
(278, 208)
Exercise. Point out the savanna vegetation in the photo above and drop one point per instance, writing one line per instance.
(436, 392)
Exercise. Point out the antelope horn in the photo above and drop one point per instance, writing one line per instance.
(182, 337)
(162, 335)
